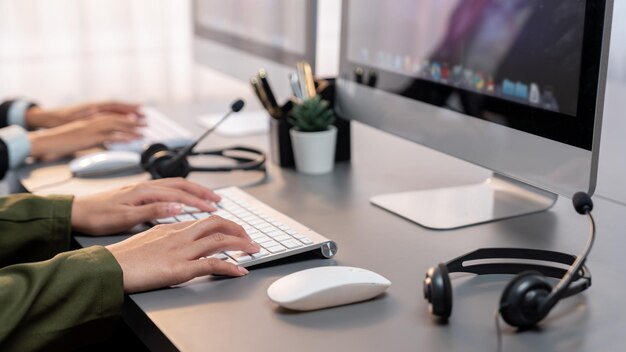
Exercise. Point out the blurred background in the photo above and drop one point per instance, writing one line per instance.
(66, 51)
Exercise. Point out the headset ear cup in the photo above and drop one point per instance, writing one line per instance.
(438, 291)
(164, 164)
(148, 153)
(520, 298)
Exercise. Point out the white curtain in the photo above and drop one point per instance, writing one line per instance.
(62, 51)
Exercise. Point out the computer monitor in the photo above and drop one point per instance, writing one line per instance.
(238, 37)
(515, 86)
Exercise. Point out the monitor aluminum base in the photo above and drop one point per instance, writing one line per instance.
(495, 199)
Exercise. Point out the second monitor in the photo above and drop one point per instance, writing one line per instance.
(238, 37)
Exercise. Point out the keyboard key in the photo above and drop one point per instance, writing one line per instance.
(273, 233)
(262, 240)
(291, 244)
(190, 209)
(220, 256)
(282, 237)
(221, 213)
(248, 218)
(305, 240)
(169, 220)
(266, 228)
(200, 216)
(244, 214)
(276, 249)
(185, 217)
(257, 236)
(240, 257)
(232, 208)
(256, 222)
(270, 243)
(260, 254)
(231, 260)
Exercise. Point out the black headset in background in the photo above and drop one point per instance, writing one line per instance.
(162, 162)
(529, 297)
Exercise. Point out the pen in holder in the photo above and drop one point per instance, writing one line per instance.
(281, 150)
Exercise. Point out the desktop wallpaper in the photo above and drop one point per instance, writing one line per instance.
(525, 51)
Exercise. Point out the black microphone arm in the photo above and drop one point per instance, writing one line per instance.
(583, 205)
(236, 106)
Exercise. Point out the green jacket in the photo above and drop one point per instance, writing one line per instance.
(52, 301)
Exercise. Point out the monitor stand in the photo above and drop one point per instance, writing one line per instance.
(497, 198)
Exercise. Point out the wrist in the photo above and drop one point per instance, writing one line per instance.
(36, 117)
(79, 223)
(38, 144)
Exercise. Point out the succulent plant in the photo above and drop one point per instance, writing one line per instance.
(313, 115)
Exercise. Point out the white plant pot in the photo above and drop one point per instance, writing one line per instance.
(314, 152)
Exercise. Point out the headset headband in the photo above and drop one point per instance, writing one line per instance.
(456, 265)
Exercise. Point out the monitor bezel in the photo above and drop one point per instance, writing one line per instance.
(530, 159)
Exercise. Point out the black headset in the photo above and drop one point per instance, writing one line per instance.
(529, 297)
(161, 162)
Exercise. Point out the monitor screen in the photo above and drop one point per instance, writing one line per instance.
(514, 86)
(278, 30)
(518, 63)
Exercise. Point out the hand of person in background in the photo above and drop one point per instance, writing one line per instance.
(168, 255)
(55, 143)
(121, 209)
(39, 118)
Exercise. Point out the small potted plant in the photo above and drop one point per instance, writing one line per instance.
(313, 136)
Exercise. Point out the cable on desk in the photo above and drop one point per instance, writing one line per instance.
(496, 316)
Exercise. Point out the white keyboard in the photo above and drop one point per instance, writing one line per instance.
(159, 129)
(278, 235)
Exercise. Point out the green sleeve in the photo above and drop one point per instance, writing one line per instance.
(33, 228)
(62, 303)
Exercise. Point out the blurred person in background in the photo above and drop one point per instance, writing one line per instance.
(47, 135)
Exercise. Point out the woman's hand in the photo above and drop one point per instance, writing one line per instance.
(121, 209)
(54, 143)
(39, 118)
(167, 255)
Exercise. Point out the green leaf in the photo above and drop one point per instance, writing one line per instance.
(312, 115)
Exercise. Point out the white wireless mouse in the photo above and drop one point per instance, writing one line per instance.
(104, 163)
(326, 286)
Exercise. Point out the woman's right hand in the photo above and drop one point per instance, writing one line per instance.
(168, 255)
(57, 142)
